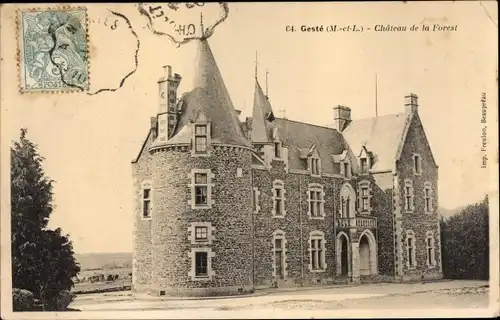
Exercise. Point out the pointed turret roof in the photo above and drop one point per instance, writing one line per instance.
(210, 100)
(262, 116)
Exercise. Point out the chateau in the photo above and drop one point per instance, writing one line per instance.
(225, 206)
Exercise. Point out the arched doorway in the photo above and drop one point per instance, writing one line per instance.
(342, 254)
(367, 254)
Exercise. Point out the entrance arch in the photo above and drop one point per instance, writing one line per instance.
(343, 254)
(367, 254)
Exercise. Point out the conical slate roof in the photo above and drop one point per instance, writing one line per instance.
(209, 100)
(261, 126)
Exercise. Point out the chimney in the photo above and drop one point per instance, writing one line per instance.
(154, 127)
(411, 103)
(168, 71)
(341, 117)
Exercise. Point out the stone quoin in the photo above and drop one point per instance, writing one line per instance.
(224, 207)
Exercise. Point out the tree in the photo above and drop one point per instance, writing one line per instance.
(42, 260)
(465, 243)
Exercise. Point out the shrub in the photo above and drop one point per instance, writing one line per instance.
(22, 300)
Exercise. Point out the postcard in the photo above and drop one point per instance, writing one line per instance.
(249, 160)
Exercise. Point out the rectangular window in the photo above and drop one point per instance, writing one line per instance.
(278, 201)
(408, 198)
(254, 200)
(201, 264)
(200, 138)
(417, 164)
(201, 233)
(315, 166)
(146, 203)
(411, 252)
(347, 170)
(201, 188)
(317, 262)
(430, 250)
(315, 202)
(364, 199)
(364, 165)
(427, 200)
(277, 150)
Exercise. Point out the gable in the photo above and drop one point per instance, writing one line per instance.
(415, 140)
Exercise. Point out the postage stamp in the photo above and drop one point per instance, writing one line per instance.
(53, 50)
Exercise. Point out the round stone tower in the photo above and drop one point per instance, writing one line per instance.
(201, 189)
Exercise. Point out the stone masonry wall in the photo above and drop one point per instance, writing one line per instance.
(141, 260)
(419, 221)
(231, 215)
(382, 207)
(296, 224)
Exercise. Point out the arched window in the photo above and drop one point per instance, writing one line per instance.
(347, 201)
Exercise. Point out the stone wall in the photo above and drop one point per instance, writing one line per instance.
(141, 258)
(230, 215)
(419, 221)
(296, 225)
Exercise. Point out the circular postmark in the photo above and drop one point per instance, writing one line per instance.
(186, 21)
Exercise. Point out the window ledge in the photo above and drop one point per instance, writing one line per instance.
(316, 218)
(146, 218)
(279, 216)
(318, 270)
(201, 207)
(200, 154)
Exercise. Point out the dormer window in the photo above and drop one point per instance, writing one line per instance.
(277, 150)
(364, 165)
(200, 138)
(315, 166)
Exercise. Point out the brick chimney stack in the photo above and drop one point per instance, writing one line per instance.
(411, 103)
(341, 117)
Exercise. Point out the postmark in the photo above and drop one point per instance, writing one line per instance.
(186, 21)
(53, 50)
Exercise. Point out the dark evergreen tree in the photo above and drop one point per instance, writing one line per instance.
(465, 243)
(42, 260)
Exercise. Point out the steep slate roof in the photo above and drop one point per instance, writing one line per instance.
(261, 127)
(209, 98)
(380, 135)
(298, 136)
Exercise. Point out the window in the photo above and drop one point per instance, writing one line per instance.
(347, 169)
(255, 200)
(417, 164)
(316, 201)
(315, 166)
(201, 264)
(317, 242)
(201, 188)
(277, 150)
(364, 165)
(410, 249)
(200, 233)
(347, 201)
(408, 195)
(428, 197)
(278, 199)
(431, 257)
(200, 138)
(364, 197)
(279, 254)
(146, 200)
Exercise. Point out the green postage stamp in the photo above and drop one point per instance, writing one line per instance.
(53, 50)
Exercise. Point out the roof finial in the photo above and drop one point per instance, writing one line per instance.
(256, 63)
(267, 95)
(201, 24)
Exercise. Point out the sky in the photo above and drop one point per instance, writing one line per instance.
(89, 140)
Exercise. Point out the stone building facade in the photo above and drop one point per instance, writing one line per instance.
(225, 206)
